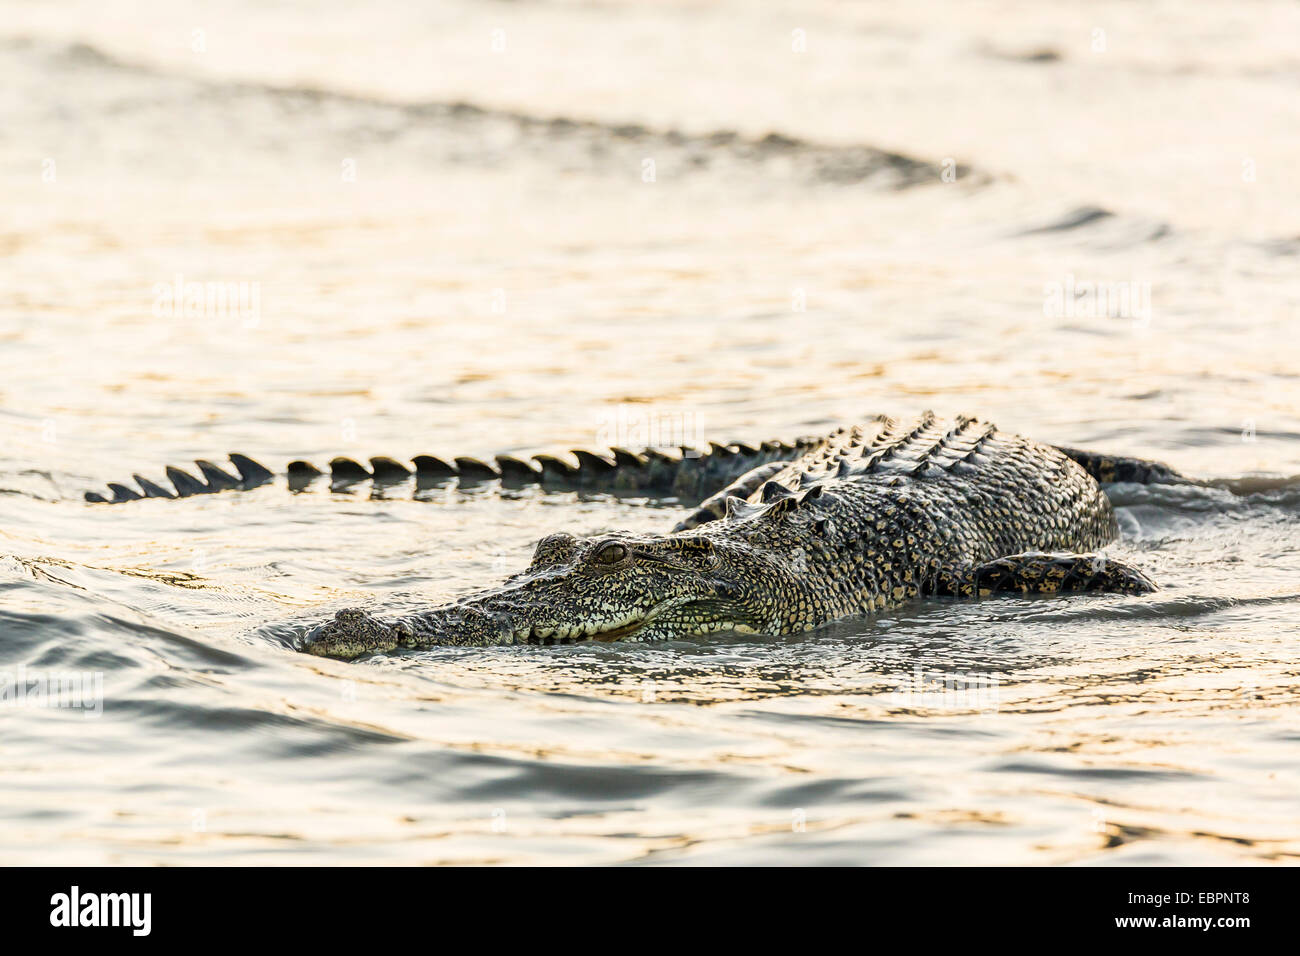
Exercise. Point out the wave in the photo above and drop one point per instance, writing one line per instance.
(457, 131)
(1239, 493)
(1102, 228)
(1074, 219)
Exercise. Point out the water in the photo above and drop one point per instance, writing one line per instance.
(455, 251)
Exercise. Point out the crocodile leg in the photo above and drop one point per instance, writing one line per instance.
(1041, 573)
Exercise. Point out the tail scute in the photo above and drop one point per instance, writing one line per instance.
(692, 474)
(251, 474)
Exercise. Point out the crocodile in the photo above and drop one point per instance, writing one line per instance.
(783, 537)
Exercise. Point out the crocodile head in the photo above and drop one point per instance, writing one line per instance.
(615, 587)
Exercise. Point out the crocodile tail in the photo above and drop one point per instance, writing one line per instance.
(1111, 468)
(250, 474)
(685, 473)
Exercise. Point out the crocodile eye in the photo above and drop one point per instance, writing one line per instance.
(611, 554)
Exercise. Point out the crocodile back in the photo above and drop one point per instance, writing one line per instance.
(899, 503)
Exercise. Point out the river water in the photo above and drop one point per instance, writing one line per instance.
(479, 227)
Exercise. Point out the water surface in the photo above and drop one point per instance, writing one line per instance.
(458, 248)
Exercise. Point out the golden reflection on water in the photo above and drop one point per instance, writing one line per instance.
(493, 281)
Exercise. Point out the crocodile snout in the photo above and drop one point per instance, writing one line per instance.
(353, 633)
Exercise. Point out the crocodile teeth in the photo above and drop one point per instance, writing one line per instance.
(541, 635)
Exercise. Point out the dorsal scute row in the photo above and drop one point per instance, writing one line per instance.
(924, 446)
(616, 468)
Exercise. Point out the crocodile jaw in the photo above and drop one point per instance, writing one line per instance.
(354, 633)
